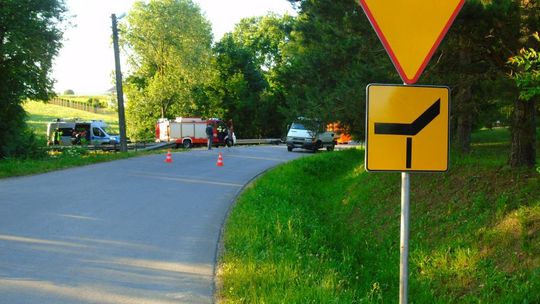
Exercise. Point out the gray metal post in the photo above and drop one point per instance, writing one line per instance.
(404, 242)
(119, 90)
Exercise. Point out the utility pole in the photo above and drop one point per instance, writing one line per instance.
(119, 90)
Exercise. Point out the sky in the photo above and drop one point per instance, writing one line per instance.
(86, 61)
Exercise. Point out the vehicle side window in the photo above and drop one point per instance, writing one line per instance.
(97, 132)
(66, 131)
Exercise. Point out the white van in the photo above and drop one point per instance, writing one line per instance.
(74, 132)
(301, 136)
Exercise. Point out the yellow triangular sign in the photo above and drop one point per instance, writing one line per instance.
(411, 30)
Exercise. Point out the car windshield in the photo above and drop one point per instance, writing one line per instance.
(298, 126)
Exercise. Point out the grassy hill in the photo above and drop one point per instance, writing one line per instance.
(322, 230)
(103, 99)
(39, 114)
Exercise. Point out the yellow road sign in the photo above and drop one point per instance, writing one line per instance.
(407, 128)
(411, 30)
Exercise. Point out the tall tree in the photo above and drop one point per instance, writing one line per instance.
(472, 60)
(527, 78)
(462, 62)
(334, 54)
(241, 84)
(523, 148)
(30, 37)
(246, 61)
(169, 47)
(516, 22)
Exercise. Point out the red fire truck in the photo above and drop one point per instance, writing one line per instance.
(190, 131)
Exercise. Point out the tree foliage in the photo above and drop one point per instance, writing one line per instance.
(30, 37)
(469, 62)
(246, 88)
(240, 83)
(272, 69)
(527, 74)
(473, 60)
(333, 55)
(169, 47)
(334, 52)
(527, 78)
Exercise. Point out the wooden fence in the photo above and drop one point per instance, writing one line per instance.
(79, 105)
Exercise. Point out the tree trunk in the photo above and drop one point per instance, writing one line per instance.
(463, 133)
(523, 149)
(464, 103)
(464, 118)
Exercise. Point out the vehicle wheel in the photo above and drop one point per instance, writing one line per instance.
(330, 148)
(229, 143)
(317, 146)
(187, 144)
(289, 148)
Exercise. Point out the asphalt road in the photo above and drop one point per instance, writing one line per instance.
(132, 231)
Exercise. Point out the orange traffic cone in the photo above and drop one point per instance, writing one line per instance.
(169, 157)
(219, 160)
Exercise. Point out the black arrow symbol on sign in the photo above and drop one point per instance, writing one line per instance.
(410, 129)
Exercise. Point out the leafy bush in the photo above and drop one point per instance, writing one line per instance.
(23, 145)
(16, 139)
(94, 102)
(69, 92)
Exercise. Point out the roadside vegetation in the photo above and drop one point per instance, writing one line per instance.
(40, 113)
(102, 104)
(57, 160)
(261, 74)
(44, 159)
(98, 100)
(322, 230)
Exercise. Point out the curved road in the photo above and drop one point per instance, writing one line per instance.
(132, 231)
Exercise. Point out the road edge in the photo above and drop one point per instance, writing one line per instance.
(220, 246)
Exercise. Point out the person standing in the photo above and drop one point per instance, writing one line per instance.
(230, 129)
(57, 136)
(209, 134)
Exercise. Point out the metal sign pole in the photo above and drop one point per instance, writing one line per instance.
(404, 242)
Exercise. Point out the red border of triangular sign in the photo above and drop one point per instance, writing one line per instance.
(389, 48)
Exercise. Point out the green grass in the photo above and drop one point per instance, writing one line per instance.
(57, 160)
(103, 99)
(39, 114)
(321, 230)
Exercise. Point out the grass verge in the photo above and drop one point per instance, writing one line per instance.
(39, 114)
(321, 230)
(57, 160)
